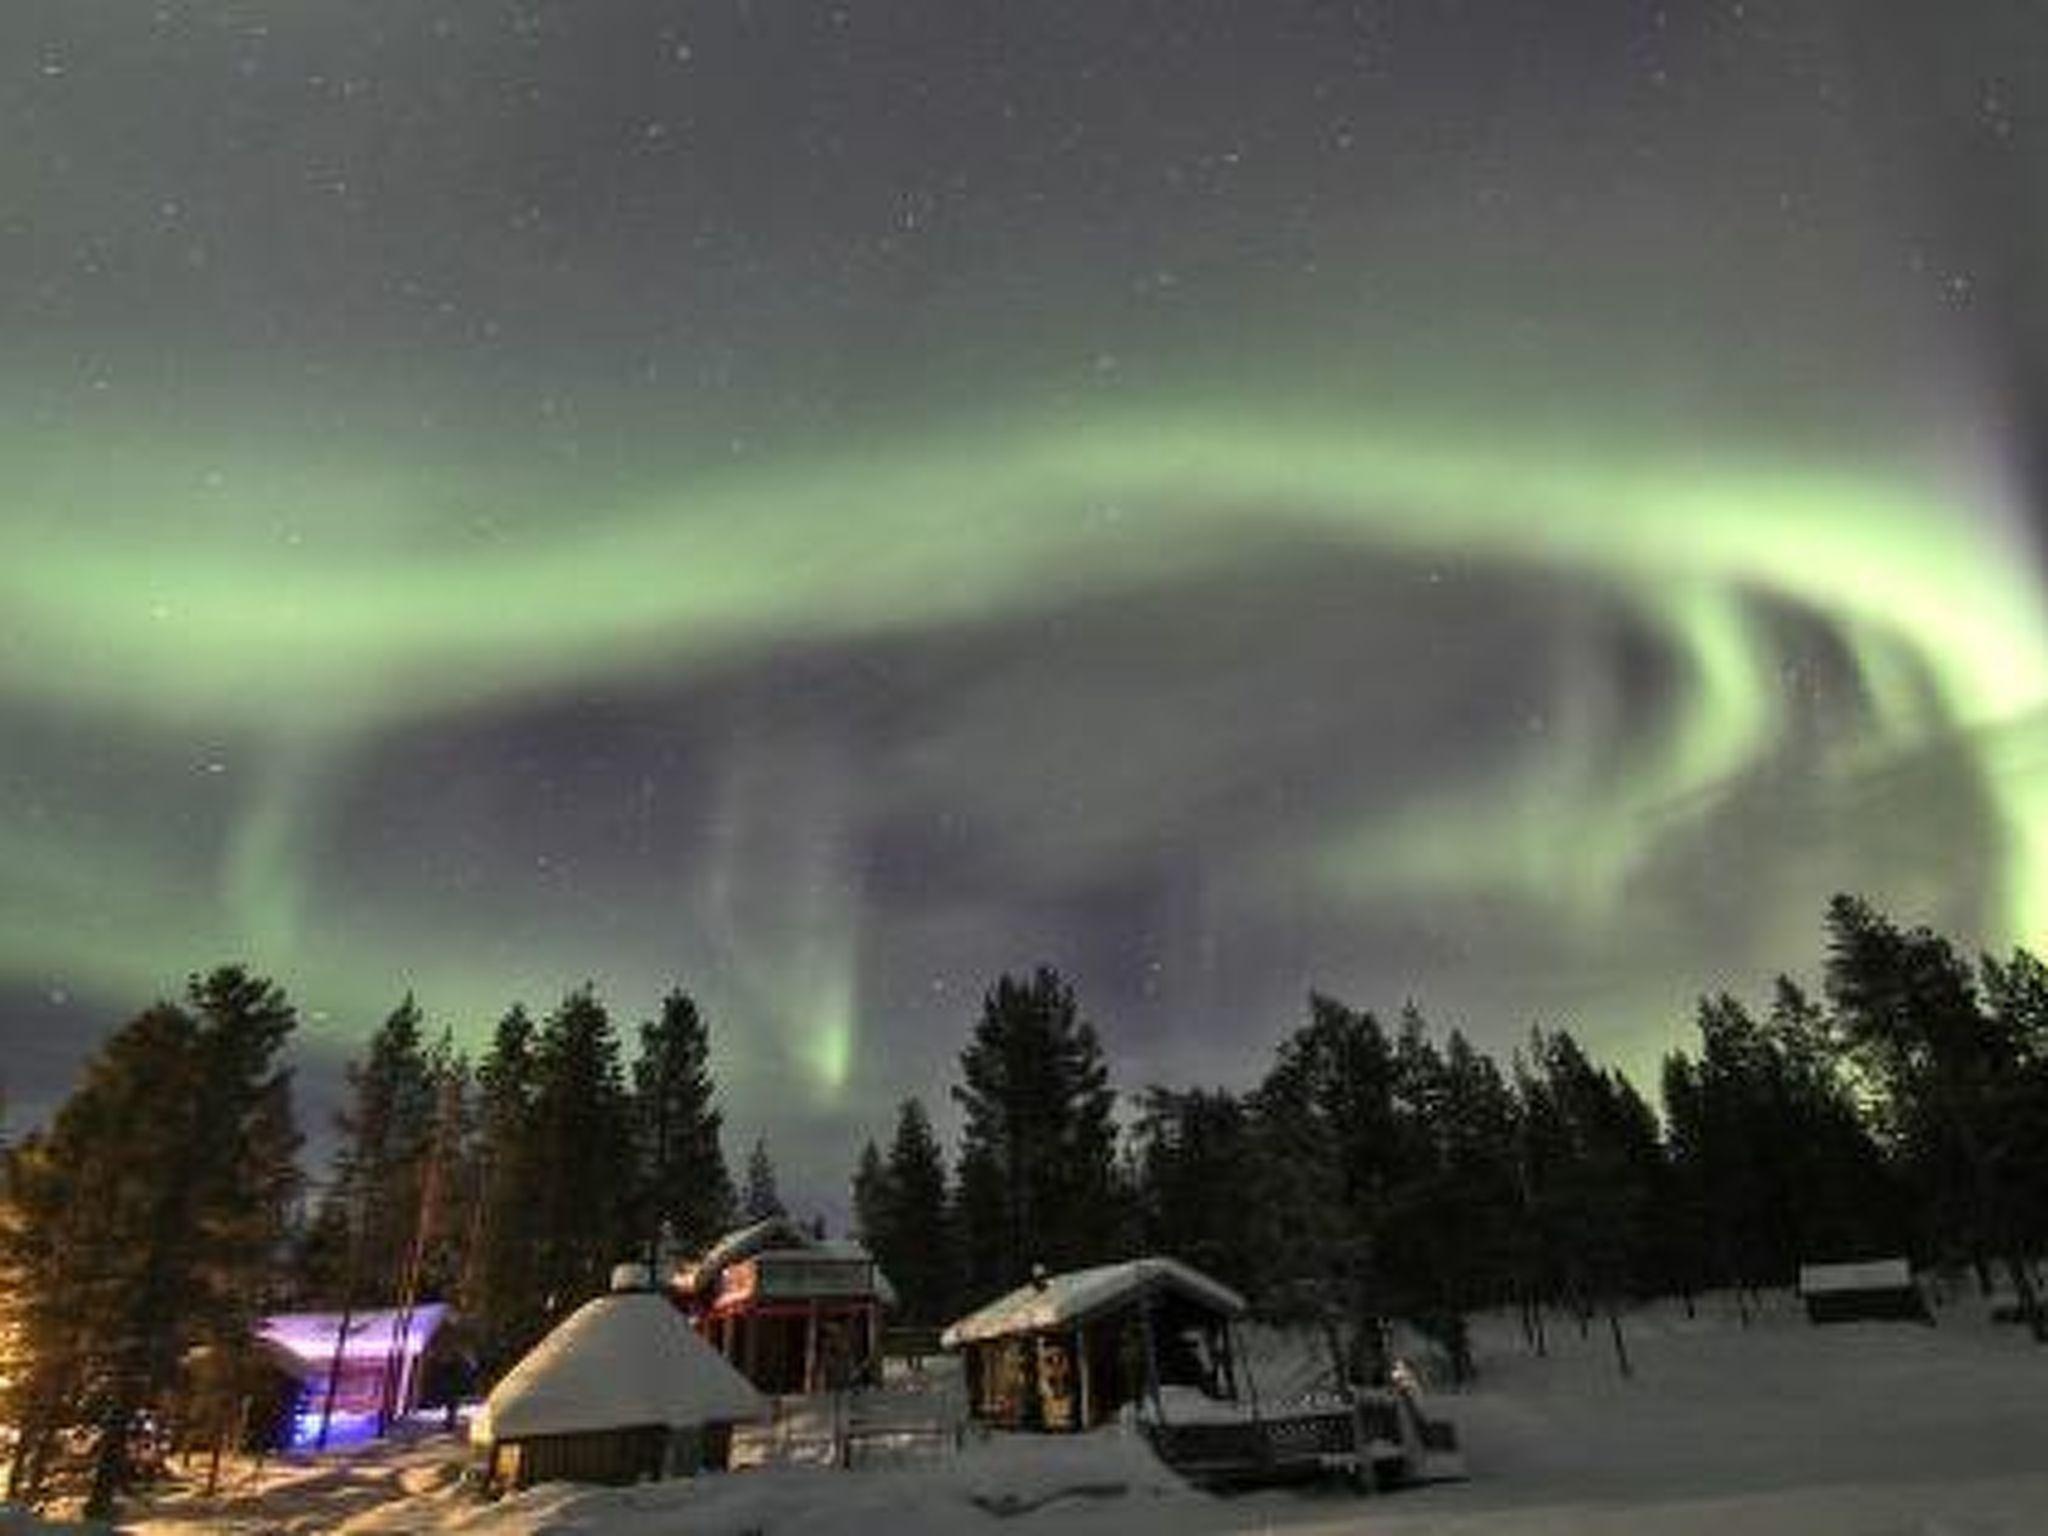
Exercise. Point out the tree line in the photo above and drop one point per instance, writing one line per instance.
(162, 1213)
(1379, 1170)
(1388, 1170)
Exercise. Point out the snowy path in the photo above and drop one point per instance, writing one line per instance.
(1775, 1430)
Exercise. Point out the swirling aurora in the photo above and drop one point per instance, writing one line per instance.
(1212, 671)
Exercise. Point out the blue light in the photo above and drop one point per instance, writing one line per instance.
(345, 1428)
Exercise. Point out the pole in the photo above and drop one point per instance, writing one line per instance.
(348, 1296)
(1151, 1358)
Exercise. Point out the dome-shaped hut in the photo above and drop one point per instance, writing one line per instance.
(623, 1389)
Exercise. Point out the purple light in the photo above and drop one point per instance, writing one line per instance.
(309, 1337)
(374, 1370)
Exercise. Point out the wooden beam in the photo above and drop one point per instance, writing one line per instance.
(1151, 1356)
(1086, 1407)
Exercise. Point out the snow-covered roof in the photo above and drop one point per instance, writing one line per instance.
(1063, 1299)
(624, 1359)
(744, 1243)
(1867, 1275)
(776, 1234)
(305, 1341)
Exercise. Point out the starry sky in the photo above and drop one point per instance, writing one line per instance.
(1507, 505)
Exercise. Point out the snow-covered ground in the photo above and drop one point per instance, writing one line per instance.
(1778, 1429)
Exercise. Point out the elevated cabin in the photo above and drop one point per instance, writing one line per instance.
(622, 1390)
(793, 1312)
(341, 1376)
(1872, 1290)
(1068, 1352)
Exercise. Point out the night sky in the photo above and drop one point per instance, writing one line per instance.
(1504, 504)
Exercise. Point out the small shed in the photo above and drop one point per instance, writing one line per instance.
(1067, 1352)
(621, 1391)
(792, 1311)
(1871, 1290)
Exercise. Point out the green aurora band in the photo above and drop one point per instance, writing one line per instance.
(299, 615)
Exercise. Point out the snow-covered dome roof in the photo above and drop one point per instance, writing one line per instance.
(623, 1359)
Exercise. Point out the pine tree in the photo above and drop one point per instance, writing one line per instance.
(386, 1127)
(448, 1180)
(761, 1200)
(1329, 1145)
(501, 1289)
(1038, 1161)
(915, 1244)
(582, 1144)
(1591, 1156)
(1449, 1228)
(1196, 1180)
(980, 1197)
(1845, 1197)
(686, 1193)
(147, 1222)
(1951, 1081)
(2016, 995)
(871, 1198)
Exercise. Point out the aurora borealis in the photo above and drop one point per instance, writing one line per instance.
(824, 503)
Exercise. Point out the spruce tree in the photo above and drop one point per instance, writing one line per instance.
(916, 1242)
(871, 1197)
(685, 1190)
(501, 1289)
(761, 1200)
(582, 1146)
(1195, 1175)
(1038, 1160)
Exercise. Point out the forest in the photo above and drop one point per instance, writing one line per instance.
(1381, 1169)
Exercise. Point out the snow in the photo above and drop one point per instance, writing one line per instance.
(1190, 1405)
(1001, 1483)
(1776, 1429)
(626, 1358)
(741, 1244)
(772, 1235)
(16, 1521)
(1062, 1299)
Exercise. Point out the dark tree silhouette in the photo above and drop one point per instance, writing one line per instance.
(1038, 1179)
(685, 1193)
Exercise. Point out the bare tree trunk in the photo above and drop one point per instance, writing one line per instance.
(213, 1460)
(1620, 1348)
(110, 1459)
(2029, 1299)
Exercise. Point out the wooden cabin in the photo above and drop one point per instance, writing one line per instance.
(791, 1311)
(621, 1391)
(1068, 1352)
